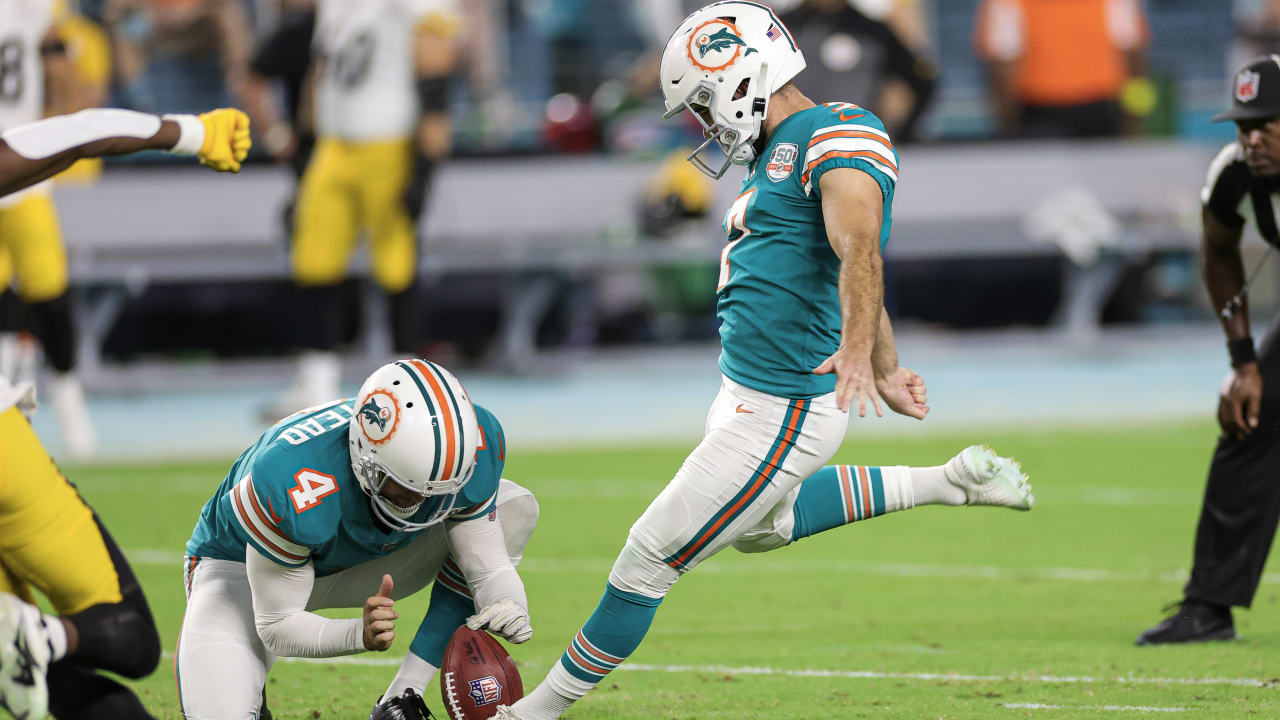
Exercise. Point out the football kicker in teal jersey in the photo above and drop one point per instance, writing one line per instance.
(779, 304)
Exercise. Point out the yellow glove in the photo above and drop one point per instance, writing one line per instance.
(226, 139)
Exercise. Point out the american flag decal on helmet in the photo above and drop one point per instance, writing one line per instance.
(772, 33)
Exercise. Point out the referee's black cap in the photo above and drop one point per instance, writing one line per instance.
(1255, 91)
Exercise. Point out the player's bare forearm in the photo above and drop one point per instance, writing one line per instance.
(884, 356)
(851, 207)
(861, 298)
(1223, 270)
(18, 172)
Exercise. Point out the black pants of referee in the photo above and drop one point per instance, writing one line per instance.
(1241, 500)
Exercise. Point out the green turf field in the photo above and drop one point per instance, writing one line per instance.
(932, 613)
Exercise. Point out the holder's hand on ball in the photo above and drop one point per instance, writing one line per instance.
(504, 618)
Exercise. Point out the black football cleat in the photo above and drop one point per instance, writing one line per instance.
(1193, 622)
(409, 706)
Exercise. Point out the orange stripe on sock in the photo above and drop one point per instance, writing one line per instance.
(864, 476)
(847, 486)
(591, 648)
(586, 665)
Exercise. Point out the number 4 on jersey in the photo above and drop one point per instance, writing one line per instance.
(735, 223)
(312, 488)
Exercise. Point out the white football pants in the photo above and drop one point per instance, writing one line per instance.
(221, 665)
(736, 488)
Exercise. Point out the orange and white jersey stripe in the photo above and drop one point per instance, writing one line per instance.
(850, 140)
(261, 529)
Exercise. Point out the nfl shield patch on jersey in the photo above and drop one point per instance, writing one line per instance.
(782, 161)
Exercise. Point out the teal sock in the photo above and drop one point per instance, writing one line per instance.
(451, 605)
(613, 632)
(840, 494)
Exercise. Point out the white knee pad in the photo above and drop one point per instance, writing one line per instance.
(641, 571)
(518, 515)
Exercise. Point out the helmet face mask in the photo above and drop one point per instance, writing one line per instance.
(723, 63)
(414, 432)
(736, 146)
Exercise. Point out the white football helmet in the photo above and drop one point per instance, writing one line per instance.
(722, 64)
(415, 426)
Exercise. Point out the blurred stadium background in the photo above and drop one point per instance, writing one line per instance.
(1041, 280)
(557, 244)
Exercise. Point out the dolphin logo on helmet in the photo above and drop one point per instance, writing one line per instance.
(723, 39)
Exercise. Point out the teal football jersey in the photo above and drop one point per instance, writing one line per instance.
(779, 304)
(294, 497)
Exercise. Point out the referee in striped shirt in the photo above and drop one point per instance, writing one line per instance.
(1242, 498)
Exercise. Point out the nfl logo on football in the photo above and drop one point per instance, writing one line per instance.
(1246, 85)
(485, 690)
(782, 161)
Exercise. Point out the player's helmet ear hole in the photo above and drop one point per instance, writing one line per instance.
(738, 114)
(395, 382)
(741, 92)
(408, 404)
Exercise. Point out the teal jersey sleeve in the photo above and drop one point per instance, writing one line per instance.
(852, 137)
(480, 495)
(280, 506)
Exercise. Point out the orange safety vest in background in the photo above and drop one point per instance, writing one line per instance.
(1064, 52)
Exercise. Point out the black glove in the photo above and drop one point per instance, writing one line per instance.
(415, 193)
(409, 706)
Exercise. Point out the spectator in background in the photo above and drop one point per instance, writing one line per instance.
(1257, 30)
(282, 61)
(89, 54)
(853, 52)
(182, 55)
(1059, 69)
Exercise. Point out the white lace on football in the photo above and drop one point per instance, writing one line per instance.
(451, 697)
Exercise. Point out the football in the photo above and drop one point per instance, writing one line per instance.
(477, 676)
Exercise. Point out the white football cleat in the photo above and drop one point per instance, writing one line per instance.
(505, 713)
(73, 416)
(988, 479)
(24, 659)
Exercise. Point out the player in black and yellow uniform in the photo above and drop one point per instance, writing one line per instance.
(50, 539)
(381, 91)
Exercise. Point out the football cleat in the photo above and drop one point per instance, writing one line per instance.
(988, 479)
(409, 706)
(505, 713)
(24, 659)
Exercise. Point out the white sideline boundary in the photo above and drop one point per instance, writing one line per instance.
(1116, 708)
(805, 567)
(853, 674)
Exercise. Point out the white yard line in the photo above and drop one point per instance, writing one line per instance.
(755, 568)
(857, 674)
(1117, 708)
